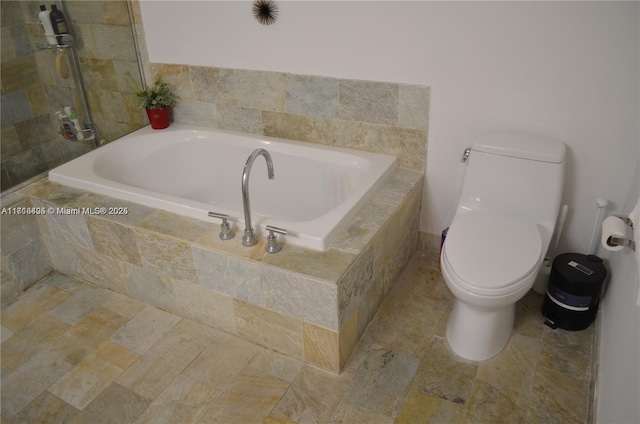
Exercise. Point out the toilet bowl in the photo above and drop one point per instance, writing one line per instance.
(487, 274)
(507, 209)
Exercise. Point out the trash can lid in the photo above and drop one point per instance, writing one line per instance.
(580, 269)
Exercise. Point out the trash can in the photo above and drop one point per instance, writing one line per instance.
(573, 291)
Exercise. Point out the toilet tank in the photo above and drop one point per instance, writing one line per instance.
(516, 175)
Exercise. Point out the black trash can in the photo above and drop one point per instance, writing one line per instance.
(573, 291)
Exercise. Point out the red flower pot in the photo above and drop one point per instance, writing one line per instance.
(158, 118)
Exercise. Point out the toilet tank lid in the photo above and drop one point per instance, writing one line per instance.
(522, 146)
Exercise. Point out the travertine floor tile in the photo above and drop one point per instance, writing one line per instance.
(81, 303)
(47, 408)
(486, 404)
(115, 404)
(412, 312)
(349, 413)
(221, 361)
(155, 370)
(5, 334)
(407, 328)
(93, 374)
(556, 397)
(32, 378)
(183, 401)
(276, 364)
(512, 370)
(420, 407)
(84, 337)
(194, 332)
(35, 337)
(381, 384)
(312, 397)
(277, 420)
(145, 329)
(528, 317)
(250, 396)
(443, 374)
(29, 306)
(123, 305)
(135, 363)
(567, 351)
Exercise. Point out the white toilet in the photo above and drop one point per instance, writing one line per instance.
(507, 210)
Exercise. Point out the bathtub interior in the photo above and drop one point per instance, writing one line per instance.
(303, 189)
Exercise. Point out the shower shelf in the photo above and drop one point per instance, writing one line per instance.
(42, 44)
(89, 136)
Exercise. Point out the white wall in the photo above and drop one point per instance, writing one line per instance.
(568, 70)
(618, 390)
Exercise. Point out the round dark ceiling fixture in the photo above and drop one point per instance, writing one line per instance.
(265, 11)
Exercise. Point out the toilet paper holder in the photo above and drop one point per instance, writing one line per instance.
(622, 241)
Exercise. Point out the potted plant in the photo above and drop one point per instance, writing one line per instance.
(156, 100)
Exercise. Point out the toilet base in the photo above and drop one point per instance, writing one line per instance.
(477, 333)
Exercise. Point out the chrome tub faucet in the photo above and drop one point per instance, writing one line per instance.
(249, 238)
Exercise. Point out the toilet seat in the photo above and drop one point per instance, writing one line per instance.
(490, 254)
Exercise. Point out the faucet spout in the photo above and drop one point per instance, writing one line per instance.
(249, 238)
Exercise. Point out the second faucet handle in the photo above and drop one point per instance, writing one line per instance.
(272, 240)
(226, 233)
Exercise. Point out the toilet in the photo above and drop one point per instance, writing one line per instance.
(506, 213)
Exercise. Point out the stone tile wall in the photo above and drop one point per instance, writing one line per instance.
(309, 305)
(378, 117)
(32, 91)
(106, 49)
(28, 140)
(25, 259)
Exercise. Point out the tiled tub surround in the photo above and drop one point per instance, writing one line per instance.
(378, 117)
(306, 304)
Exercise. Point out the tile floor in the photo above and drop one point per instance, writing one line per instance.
(75, 353)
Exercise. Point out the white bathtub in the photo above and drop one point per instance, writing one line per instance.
(192, 170)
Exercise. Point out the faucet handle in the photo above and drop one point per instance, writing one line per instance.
(272, 240)
(225, 230)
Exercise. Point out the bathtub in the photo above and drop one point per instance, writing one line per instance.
(192, 170)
